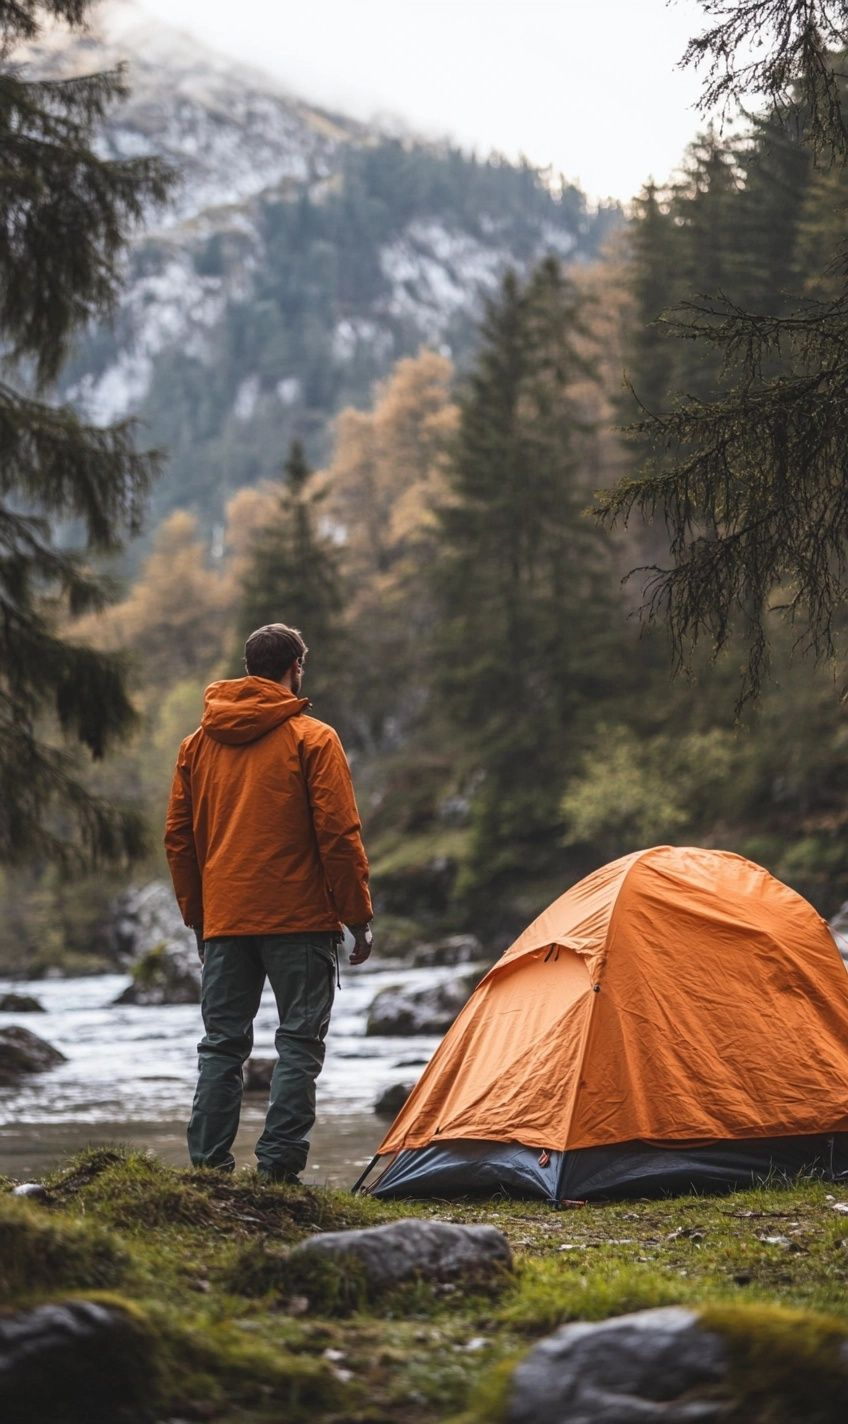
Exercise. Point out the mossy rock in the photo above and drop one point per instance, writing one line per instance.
(717, 1364)
(328, 1285)
(786, 1365)
(90, 1361)
(41, 1253)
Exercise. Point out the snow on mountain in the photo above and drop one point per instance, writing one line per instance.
(229, 131)
(301, 254)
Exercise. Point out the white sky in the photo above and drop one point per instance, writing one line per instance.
(590, 87)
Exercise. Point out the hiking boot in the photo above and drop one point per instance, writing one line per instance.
(279, 1175)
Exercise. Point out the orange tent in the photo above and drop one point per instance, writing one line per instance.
(677, 1018)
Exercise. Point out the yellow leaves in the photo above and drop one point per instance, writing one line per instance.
(175, 616)
(385, 479)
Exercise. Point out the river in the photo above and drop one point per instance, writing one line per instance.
(130, 1073)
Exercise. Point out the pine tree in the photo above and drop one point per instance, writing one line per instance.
(750, 481)
(523, 579)
(64, 216)
(654, 260)
(293, 577)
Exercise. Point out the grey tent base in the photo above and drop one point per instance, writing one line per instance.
(636, 1169)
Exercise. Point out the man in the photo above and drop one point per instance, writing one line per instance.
(263, 841)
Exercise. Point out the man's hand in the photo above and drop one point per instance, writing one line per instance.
(362, 942)
(201, 947)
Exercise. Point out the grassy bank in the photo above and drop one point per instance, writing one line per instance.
(227, 1332)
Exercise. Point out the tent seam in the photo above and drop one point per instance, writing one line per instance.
(584, 1043)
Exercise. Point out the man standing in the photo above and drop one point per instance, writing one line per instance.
(263, 842)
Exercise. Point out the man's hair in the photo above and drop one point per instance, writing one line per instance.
(270, 651)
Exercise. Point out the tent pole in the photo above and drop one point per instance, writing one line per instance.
(361, 1178)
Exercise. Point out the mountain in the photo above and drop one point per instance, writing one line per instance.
(301, 255)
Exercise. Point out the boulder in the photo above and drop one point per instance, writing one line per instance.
(79, 1361)
(20, 1004)
(144, 916)
(169, 973)
(257, 1074)
(397, 1011)
(453, 949)
(24, 1052)
(653, 1367)
(146, 929)
(387, 1256)
(392, 1099)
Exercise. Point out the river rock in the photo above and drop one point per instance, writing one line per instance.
(410, 1011)
(653, 1367)
(143, 916)
(453, 949)
(168, 974)
(20, 1004)
(147, 929)
(411, 1250)
(35, 1191)
(257, 1074)
(392, 1099)
(75, 1361)
(24, 1052)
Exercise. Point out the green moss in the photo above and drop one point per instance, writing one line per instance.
(148, 970)
(137, 1192)
(83, 1168)
(787, 1365)
(40, 1253)
(221, 1373)
(548, 1293)
(394, 855)
(490, 1397)
(332, 1284)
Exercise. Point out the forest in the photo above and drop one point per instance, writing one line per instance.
(476, 595)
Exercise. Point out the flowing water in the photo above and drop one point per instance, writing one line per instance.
(130, 1074)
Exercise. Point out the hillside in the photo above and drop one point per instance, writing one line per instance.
(302, 254)
(204, 1315)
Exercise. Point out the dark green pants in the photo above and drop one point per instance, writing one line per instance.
(301, 970)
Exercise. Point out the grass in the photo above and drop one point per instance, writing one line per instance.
(238, 1336)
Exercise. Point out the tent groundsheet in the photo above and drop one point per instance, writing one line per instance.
(631, 1169)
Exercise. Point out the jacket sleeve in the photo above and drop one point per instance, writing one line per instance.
(337, 827)
(180, 847)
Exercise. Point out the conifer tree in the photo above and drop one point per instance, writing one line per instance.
(751, 481)
(654, 263)
(523, 579)
(293, 577)
(64, 216)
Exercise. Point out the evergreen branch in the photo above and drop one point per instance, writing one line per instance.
(61, 228)
(46, 812)
(794, 43)
(82, 98)
(69, 468)
(751, 490)
(24, 19)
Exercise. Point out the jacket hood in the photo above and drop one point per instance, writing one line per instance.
(243, 709)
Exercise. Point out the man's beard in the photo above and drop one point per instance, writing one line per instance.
(296, 683)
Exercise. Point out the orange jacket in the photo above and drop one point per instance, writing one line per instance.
(262, 833)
